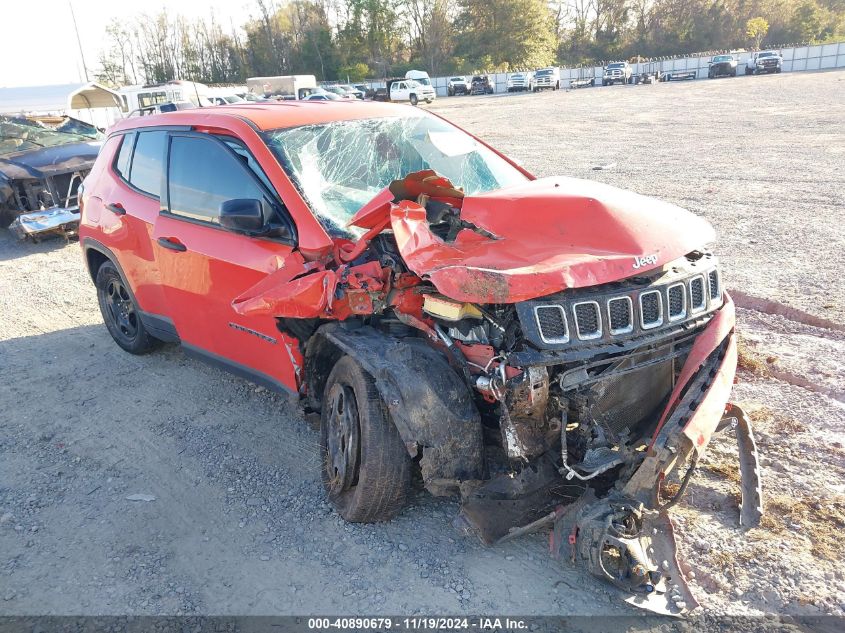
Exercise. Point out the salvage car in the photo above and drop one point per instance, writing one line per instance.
(722, 66)
(550, 350)
(42, 163)
(482, 85)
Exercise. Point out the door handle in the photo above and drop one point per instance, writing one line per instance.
(172, 243)
(116, 208)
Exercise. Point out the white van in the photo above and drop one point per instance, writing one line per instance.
(144, 97)
(284, 86)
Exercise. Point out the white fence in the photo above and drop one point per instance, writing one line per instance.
(820, 57)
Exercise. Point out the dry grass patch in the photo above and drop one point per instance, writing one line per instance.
(751, 360)
(775, 422)
(821, 521)
(728, 470)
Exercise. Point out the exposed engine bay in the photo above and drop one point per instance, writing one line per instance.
(549, 388)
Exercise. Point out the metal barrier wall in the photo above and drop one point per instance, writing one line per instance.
(818, 57)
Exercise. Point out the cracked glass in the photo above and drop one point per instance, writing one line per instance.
(340, 166)
(19, 134)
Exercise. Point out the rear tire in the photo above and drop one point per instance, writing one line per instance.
(120, 312)
(366, 470)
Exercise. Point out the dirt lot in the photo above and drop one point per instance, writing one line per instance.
(239, 524)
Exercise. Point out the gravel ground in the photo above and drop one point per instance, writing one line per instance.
(236, 522)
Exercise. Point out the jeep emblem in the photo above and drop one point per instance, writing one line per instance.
(645, 260)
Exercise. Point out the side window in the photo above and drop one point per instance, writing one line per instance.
(202, 175)
(147, 162)
(121, 165)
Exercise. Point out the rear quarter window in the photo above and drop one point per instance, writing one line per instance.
(124, 155)
(148, 161)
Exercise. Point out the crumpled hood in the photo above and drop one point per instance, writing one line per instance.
(46, 161)
(550, 234)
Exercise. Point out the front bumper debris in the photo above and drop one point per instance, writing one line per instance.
(38, 224)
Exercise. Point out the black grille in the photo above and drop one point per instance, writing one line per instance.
(620, 314)
(650, 306)
(676, 301)
(552, 323)
(696, 289)
(714, 285)
(587, 320)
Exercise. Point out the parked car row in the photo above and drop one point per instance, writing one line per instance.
(621, 73)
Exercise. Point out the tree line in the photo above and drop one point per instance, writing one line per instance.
(354, 40)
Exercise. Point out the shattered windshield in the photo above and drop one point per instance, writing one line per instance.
(19, 134)
(340, 166)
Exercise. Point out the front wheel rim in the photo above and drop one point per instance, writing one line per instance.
(342, 440)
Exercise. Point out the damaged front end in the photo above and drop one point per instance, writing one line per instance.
(43, 162)
(554, 352)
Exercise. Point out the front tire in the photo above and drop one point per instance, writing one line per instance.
(7, 216)
(120, 313)
(366, 470)
(414, 100)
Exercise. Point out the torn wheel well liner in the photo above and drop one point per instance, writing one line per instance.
(428, 402)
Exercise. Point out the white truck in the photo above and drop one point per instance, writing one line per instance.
(517, 82)
(764, 62)
(422, 78)
(284, 86)
(617, 72)
(546, 79)
(457, 86)
(408, 90)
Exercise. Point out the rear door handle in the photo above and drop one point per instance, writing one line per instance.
(116, 208)
(172, 243)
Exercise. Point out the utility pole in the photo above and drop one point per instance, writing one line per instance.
(78, 40)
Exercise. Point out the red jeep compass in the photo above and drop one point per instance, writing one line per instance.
(549, 349)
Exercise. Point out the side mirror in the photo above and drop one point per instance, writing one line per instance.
(244, 215)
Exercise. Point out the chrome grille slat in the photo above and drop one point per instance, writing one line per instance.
(551, 320)
(651, 309)
(715, 290)
(698, 300)
(677, 301)
(620, 314)
(587, 320)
